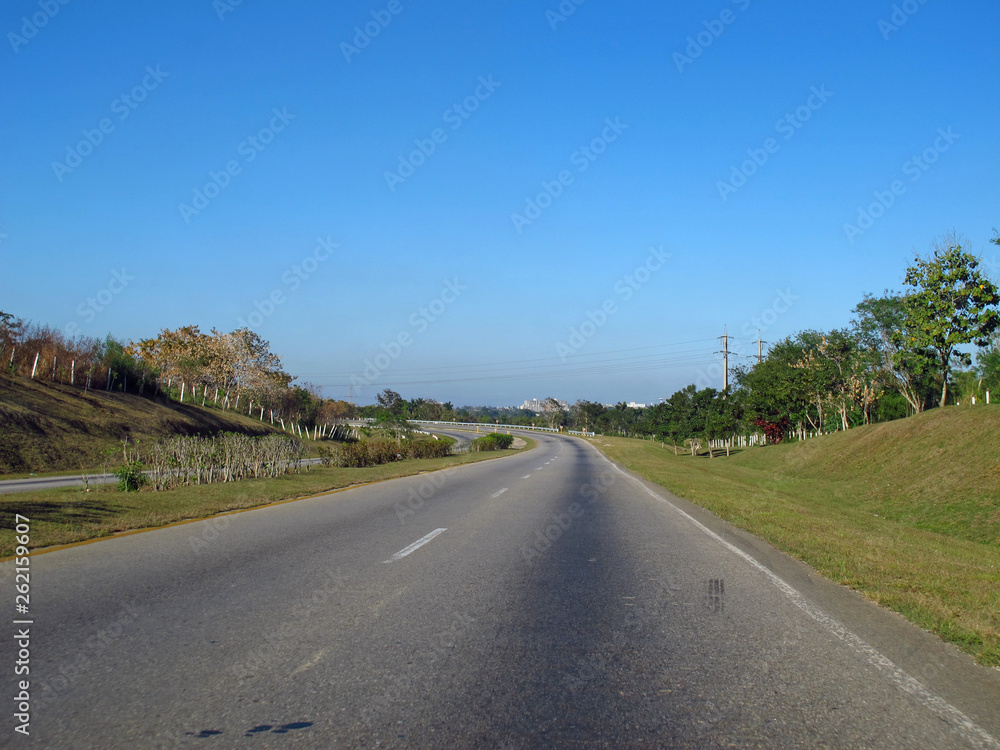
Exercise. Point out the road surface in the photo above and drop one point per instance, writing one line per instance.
(542, 600)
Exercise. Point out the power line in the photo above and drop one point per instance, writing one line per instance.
(556, 361)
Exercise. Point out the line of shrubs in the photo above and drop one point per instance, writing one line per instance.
(375, 452)
(495, 441)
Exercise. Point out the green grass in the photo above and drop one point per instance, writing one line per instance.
(906, 512)
(64, 516)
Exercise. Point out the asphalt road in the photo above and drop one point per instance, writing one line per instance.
(554, 602)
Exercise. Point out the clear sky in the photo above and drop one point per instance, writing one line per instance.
(488, 202)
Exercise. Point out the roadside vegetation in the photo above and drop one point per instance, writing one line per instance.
(907, 512)
(64, 516)
(495, 441)
(50, 427)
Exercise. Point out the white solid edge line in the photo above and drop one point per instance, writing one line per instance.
(966, 727)
(498, 493)
(415, 546)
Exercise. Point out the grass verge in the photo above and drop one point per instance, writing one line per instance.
(906, 513)
(68, 515)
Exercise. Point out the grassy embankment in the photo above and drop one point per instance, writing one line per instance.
(52, 428)
(907, 512)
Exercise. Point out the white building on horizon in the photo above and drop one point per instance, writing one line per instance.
(538, 406)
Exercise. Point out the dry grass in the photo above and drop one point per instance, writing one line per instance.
(49, 427)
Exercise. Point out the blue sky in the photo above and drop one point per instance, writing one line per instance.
(486, 203)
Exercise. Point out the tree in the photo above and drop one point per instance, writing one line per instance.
(775, 388)
(988, 363)
(881, 329)
(949, 304)
(10, 331)
(554, 412)
(391, 401)
(588, 413)
(332, 411)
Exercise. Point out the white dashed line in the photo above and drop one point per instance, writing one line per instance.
(415, 546)
(498, 493)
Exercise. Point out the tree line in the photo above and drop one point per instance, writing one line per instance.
(902, 353)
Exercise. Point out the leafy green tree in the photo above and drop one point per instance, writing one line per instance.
(776, 389)
(10, 334)
(988, 363)
(588, 414)
(392, 402)
(555, 415)
(950, 304)
(881, 329)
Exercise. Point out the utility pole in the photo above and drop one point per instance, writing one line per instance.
(725, 360)
(760, 348)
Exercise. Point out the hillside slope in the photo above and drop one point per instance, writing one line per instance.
(938, 471)
(51, 427)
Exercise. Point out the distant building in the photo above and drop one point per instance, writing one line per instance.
(540, 406)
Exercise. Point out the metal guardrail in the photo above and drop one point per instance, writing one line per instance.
(487, 425)
(496, 426)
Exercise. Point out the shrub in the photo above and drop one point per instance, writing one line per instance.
(428, 449)
(495, 441)
(130, 477)
(375, 452)
(366, 453)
